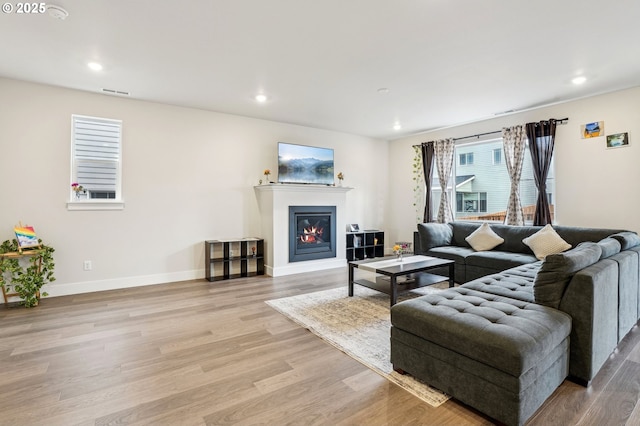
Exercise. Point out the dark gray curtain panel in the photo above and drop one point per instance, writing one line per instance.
(541, 137)
(427, 169)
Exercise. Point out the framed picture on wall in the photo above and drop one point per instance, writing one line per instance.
(618, 140)
(592, 130)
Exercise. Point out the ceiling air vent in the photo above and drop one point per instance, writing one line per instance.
(115, 92)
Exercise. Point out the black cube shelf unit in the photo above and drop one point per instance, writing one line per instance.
(365, 244)
(233, 258)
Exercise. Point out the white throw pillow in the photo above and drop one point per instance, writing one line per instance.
(545, 242)
(483, 238)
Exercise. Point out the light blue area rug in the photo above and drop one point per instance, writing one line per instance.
(359, 326)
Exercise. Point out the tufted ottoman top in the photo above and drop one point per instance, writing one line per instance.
(515, 283)
(507, 334)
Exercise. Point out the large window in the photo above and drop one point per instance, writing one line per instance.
(480, 184)
(96, 159)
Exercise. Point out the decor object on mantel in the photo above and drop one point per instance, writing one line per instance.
(340, 178)
(18, 279)
(359, 327)
(266, 172)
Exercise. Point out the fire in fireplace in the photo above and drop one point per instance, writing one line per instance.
(312, 232)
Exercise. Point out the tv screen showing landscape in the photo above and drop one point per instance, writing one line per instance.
(304, 164)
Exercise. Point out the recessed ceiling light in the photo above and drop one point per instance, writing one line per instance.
(579, 80)
(95, 66)
(262, 98)
(383, 90)
(397, 126)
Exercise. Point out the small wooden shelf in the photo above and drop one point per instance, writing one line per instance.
(233, 258)
(18, 255)
(365, 244)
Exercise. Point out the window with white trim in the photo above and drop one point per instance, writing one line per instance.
(96, 157)
(497, 156)
(465, 159)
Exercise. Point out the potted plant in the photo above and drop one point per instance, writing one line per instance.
(27, 277)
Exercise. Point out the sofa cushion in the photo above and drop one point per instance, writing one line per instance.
(434, 235)
(461, 230)
(484, 238)
(557, 269)
(609, 246)
(459, 254)
(545, 242)
(498, 260)
(627, 239)
(575, 235)
(504, 284)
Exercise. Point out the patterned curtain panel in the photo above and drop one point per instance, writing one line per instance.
(541, 141)
(427, 170)
(444, 151)
(514, 146)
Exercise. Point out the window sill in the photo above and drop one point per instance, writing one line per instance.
(95, 205)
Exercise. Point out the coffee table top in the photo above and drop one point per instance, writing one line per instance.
(409, 264)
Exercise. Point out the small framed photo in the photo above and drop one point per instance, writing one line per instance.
(592, 130)
(354, 227)
(618, 140)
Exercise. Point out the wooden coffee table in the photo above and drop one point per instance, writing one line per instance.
(393, 276)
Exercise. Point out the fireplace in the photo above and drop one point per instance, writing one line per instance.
(312, 232)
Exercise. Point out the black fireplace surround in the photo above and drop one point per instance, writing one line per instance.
(312, 232)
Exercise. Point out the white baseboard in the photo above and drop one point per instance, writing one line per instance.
(56, 289)
(300, 267)
(65, 289)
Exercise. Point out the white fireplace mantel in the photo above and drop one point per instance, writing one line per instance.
(274, 201)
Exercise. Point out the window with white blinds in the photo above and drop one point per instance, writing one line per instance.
(96, 158)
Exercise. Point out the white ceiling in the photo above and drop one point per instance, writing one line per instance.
(321, 62)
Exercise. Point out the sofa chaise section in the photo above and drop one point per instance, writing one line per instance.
(503, 356)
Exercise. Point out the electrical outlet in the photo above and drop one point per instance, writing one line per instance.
(87, 265)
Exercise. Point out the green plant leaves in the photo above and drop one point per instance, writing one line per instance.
(27, 277)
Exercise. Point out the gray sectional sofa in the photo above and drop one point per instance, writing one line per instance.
(503, 341)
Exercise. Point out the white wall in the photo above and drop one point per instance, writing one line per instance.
(595, 186)
(188, 175)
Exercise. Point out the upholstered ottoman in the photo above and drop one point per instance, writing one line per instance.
(502, 356)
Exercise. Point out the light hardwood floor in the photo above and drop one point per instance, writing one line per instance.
(200, 353)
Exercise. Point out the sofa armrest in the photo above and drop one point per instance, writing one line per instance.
(417, 248)
(591, 299)
(434, 235)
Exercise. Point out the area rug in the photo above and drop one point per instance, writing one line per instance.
(359, 326)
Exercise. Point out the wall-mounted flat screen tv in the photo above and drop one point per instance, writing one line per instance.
(304, 164)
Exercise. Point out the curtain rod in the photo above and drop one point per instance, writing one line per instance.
(559, 121)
